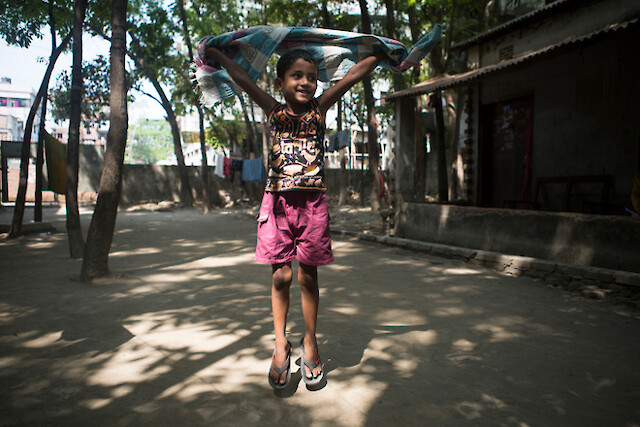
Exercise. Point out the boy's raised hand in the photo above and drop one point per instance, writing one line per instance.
(242, 79)
(353, 76)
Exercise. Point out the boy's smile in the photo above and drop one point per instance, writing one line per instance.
(299, 84)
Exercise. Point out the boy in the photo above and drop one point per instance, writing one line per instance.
(293, 221)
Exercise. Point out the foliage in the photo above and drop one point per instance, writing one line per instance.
(223, 132)
(205, 18)
(156, 25)
(22, 21)
(95, 101)
(149, 141)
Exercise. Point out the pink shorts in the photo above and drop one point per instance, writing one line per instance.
(294, 224)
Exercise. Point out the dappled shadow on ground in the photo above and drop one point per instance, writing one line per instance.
(455, 344)
(181, 334)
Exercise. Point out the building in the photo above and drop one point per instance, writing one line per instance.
(15, 104)
(549, 107)
(549, 126)
(89, 135)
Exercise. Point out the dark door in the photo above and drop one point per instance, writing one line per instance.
(506, 153)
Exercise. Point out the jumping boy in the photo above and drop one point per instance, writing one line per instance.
(293, 221)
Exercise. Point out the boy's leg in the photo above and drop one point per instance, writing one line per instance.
(281, 282)
(308, 279)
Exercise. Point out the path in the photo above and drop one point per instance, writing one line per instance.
(182, 335)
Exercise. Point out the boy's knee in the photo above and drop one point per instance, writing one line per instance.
(308, 276)
(282, 277)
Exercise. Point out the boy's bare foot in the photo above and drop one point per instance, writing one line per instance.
(280, 369)
(313, 366)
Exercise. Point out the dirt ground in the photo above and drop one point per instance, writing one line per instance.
(181, 334)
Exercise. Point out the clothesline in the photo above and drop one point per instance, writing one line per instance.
(335, 52)
(251, 169)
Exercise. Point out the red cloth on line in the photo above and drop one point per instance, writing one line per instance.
(226, 170)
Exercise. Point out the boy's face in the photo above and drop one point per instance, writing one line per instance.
(299, 83)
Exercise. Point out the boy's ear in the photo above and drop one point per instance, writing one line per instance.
(278, 83)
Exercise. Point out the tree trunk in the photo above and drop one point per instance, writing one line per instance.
(37, 214)
(18, 212)
(74, 228)
(372, 132)
(414, 27)
(249, 147)
(185, 189)
(398, 81)
(206, 198)
(420, 158)
(454, 123)
(43, 114)
(343, 161)
(100, 235)
(443, 185)
(438, 66)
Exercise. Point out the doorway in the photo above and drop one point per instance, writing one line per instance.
(506, 153)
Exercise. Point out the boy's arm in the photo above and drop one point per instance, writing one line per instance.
(353, 76)
(242, 79)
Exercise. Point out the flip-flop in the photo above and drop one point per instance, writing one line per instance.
(311, 367)
(286, 366)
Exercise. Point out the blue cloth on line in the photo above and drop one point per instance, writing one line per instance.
(253, 170)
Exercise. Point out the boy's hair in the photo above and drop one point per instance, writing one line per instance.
(286, 61)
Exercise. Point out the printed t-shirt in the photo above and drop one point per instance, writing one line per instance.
(296, 154)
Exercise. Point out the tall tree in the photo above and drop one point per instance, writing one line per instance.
(372, 127)
(74, 228)
(461, 18)
(43, 113)
(206, 182)
(99, 238)
(136, 52)
(152, 35)
(390, 21)
(20, 22)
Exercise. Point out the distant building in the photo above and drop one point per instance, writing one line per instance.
(89, 135)
(15, 104)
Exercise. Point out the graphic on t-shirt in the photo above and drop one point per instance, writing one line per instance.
(297, 150)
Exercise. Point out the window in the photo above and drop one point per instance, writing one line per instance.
(3, 102)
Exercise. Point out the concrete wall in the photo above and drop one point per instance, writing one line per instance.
(589, 240)
(143, 183)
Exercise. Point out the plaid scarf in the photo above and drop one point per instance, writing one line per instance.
(335, 52)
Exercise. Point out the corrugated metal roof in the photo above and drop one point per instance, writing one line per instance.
(449, 81)
(520, 21)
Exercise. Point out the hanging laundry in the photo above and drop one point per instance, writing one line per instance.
(339, 140)
(253, 170)
(56, 153)
(333, 143)
(218, 162)
(227, 166)
(344, 138)
(236, 166)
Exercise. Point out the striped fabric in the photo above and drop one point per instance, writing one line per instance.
(335, 51)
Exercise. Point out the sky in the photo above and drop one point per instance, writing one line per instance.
(23, 67)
